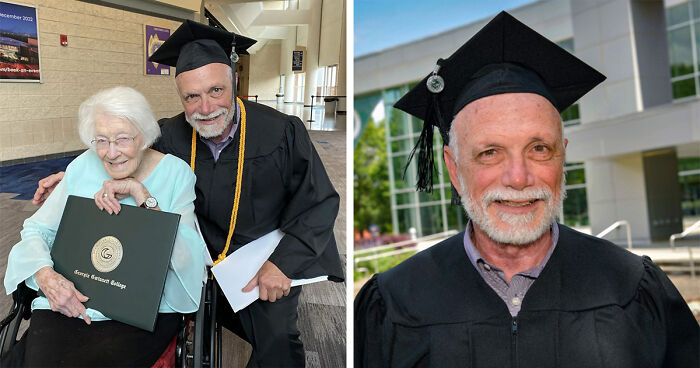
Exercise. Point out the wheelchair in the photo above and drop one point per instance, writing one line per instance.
(197, 344)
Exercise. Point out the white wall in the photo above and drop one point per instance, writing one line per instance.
(331, 23)
(264, 71)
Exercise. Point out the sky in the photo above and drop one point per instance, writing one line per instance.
(380, 24)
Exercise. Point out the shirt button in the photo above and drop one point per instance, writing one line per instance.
(515, 301)
(487, 267)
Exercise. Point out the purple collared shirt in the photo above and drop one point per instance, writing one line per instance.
(512, 293)
(216, 148)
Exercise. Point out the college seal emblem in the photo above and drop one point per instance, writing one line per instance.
(107, 254)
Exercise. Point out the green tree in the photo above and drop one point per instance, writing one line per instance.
(371, 185)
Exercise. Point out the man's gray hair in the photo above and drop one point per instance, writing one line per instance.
(123, 102)
(453, 144)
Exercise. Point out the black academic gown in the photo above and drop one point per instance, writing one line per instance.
(284, 186)
(594, 305)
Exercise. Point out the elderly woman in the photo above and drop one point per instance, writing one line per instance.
(119, 168)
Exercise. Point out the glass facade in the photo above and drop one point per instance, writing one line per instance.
(683, 48)
(683, 25)
(428, 213)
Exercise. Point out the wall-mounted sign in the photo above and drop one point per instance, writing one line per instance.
(298, 61)
(154, 37)
(19, 43)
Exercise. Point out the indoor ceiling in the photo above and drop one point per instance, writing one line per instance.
(265, 21)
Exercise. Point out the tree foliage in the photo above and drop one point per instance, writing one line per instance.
(371, 185)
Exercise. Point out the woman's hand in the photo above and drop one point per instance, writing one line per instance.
(112, 191)
(61, 293)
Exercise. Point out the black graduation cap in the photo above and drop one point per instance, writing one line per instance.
(194, 45)
(505, 56)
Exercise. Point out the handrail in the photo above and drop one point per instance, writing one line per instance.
(249, 96)
(404, 242)
(615, 226)
(672, 238)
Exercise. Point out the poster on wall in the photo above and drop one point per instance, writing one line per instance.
(155, 36)
(19, 43)
(298, 61)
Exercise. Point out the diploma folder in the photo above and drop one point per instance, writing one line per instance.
(85, 249)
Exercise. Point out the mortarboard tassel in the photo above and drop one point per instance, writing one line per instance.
(426, 159)
(426, 156)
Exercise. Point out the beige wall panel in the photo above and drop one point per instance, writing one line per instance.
(264, 71)
(105, 49)
(331, 23)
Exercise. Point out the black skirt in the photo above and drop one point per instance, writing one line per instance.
(54, 340)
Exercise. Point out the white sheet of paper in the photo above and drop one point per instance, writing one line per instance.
(234, 272)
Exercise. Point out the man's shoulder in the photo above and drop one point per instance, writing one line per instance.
(426, 264)
(601, 253)
(266, 129)
(175, 133)
(422, 276)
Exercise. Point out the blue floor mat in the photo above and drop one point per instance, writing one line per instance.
(23, 178)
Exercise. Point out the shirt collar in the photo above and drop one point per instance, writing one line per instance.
(475, 256)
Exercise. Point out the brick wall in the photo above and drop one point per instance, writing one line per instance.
(105, 49)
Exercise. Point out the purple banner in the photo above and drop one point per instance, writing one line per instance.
(155, 36)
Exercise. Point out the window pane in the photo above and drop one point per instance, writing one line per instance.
(577, 176)
(456, 218)
(406, 219)
(677, 14)
(417, 124)
(404, 198)
(431, 219)
(690, 188)
(680, 51)
(690, 196)
(397, 122)
(429, 197)
(696, 9)
(570, 113)
(392, 95)
(576, 208)
(402, 145)
(684, 88)
(398, 163)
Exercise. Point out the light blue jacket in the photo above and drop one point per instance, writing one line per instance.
(171, 182)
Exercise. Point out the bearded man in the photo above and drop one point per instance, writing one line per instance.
(516, 289)
(257, 171)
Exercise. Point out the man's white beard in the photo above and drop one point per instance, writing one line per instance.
(210, 131)
(520, 230)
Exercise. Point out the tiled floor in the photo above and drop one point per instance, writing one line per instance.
(321, 307)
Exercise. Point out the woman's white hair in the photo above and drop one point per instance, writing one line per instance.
(123, 102)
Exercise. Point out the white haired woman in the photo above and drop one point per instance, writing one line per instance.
(119, 168)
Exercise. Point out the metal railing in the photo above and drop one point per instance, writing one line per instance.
(692, 228)
(249, 96)
(615, 226)
(410, 246)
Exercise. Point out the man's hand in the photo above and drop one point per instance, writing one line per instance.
(112, 191)
(272, 283)
(62, 295)
(46, 186)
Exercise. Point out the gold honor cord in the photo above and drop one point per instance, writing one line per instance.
(239, 178)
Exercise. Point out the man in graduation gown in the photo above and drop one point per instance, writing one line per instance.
(280, 184)
(516, 289)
